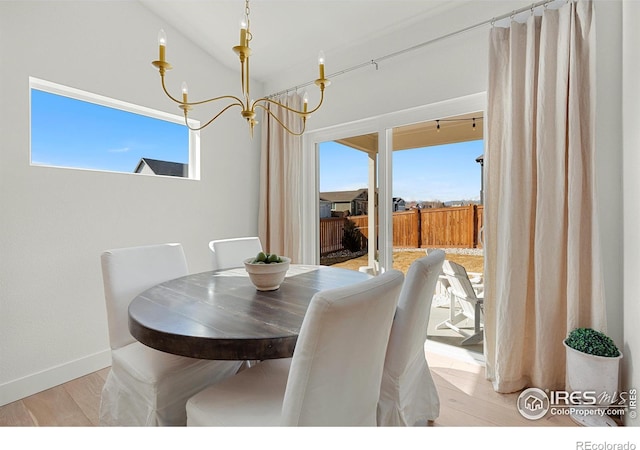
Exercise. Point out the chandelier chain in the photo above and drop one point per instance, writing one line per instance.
(247, 11)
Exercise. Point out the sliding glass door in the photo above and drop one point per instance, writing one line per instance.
(375, 139)
(347, 198)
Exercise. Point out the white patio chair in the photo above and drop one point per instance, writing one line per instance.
(334, 376)
(408, 394)
(147, 387)
(464, 295)
(228, 253)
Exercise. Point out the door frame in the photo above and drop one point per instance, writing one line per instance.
(383, 125)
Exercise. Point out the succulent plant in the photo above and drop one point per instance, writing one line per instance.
(266, 258)
(592, 342)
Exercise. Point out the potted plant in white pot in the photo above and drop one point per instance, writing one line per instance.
(593, 363)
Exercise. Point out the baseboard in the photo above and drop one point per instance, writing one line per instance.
(32, 384)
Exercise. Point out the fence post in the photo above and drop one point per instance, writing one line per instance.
(471, 219)
(474, 239)
(419, 228)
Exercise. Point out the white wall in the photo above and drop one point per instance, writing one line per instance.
(457, 67)
(609, 157)
(631, 134)
(450, 68)
(55, 222)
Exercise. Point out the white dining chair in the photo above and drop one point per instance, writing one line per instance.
(228, 253)
(334, 376)
(408, 394)
(147, 387)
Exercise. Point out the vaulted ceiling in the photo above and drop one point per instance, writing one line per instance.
(290, 33)
(287, 33)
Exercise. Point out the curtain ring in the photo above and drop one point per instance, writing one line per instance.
(493, 22)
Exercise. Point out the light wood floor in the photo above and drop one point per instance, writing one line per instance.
(467, 399)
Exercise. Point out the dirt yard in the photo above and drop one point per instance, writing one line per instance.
(403, 259)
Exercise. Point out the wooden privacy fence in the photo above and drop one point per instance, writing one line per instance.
(451, 227)
(331, 231)
(417, 228)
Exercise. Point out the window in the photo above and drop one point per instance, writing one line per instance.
(387, 139)
(76, 129)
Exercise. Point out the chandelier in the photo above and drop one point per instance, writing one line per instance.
(246, 103)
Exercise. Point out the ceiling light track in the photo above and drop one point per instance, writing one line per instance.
(376, 61)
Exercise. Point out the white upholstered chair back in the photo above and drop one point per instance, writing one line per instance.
(147, 387)
(127, 272)
(337, 365)
(228, 253)
(408, 393)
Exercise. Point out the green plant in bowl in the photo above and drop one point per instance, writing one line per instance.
(266, 258)
(267, 270)
(592, 342)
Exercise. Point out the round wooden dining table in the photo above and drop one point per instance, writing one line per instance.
(220, 314)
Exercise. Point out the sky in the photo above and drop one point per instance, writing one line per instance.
(442, 172)
(66, 132)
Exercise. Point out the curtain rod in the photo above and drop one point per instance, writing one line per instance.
(375, 62)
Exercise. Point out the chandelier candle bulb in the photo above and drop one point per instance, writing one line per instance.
(305, 100)
(162, 44)
(244, 25)
(185, 92)
(321, 64)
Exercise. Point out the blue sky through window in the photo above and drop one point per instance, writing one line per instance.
(67, 132)
(442, 172)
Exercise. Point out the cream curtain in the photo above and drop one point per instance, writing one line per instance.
(543, 274)
(279, 215)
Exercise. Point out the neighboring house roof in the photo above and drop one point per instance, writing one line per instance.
(460, 203)
(342, 196)
(168, 168)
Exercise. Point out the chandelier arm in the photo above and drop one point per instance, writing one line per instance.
(245, 80)
(180, 102)
(212, 119)
(245, 102)
(319, 104)
(274, 102)
(232, 97)
(164, 88)
(304, 122)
